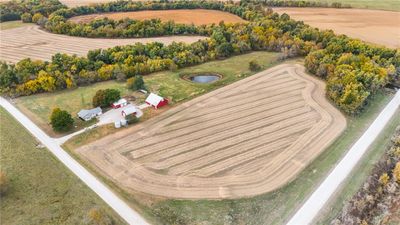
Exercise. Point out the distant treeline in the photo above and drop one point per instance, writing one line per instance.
(294, 3)
(354, 70)
(13, 10)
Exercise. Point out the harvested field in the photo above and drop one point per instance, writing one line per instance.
(374, 26)
(241, 140)
(183, 16)
(31, 42)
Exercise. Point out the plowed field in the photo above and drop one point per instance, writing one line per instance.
(244, 139)
(30, 41)
(183, 16)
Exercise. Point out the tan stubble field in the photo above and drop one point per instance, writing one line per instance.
(181, 16)
(374, 26)
(245, 139)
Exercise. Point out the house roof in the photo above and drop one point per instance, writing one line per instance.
(129, 109)
(88, 112)
(119, 102)
(154, 99)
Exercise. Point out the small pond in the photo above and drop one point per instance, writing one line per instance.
(204, 78)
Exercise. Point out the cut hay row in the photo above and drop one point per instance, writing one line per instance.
(245, 139)
(32, 42)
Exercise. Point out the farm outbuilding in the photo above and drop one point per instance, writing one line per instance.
(156, 101)
(88, 114)
(120, 103)
(128, 110)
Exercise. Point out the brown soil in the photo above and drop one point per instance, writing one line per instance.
(375, 26)
(244, 139)
(183, 16)
(30, 41)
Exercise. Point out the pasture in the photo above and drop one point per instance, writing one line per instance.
(356, 23)
(182, 16)
(42, 45)
(41, 189)
(195, 150)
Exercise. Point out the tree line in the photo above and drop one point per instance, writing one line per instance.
(353, 69)
(321, 4)
(14, 9)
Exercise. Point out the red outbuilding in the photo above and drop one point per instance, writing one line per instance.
(120, 103)
(156, 101)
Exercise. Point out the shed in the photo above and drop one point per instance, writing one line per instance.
(128, 110)
(120, 103)
(156, 101)
(88, 114)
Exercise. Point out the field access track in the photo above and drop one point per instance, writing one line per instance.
(244, 139)
(32, 42)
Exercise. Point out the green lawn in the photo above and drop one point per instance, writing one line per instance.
(168, 84)
(361, 173)
(38, 107)
(392, 5)
(41, 190)
(12, 24)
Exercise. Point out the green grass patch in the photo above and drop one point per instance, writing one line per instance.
(12, 24)
(41, 189)
(360, 174)
(168, 84)
(391, 5)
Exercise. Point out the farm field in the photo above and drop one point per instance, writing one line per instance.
(42, 45)
(167, 83)
(193, 16)
(391, 5)
(356, 23)
(285, 122)
(41, 190)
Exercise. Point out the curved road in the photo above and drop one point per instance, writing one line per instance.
(307, 213)
(127, 213)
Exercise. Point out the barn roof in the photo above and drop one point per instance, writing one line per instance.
(129, 109)
(154, 99)
(119, 102)
(88, 112)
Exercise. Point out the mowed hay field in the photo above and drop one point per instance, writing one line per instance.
(183, 16)
(32, 42)
(244, 139)
(374, 26)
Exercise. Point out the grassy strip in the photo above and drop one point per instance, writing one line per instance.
(41, 190)
(12, 25)
(360, 174)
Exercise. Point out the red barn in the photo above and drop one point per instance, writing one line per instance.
(156, 101)
(120, 103)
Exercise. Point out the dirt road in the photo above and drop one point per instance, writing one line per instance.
(244, 139)
(374, 26)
